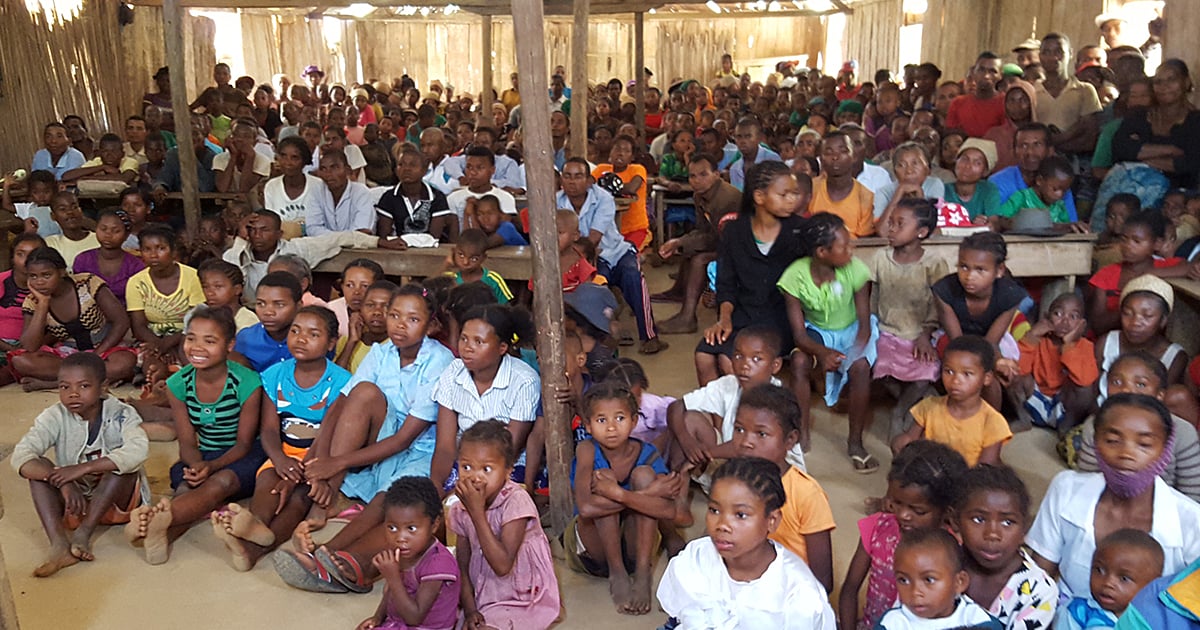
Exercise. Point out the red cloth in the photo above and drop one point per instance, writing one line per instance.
(1108, 279)
(975, 115)
(1051, 366)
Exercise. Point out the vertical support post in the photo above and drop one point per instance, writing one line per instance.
(485, 95)
(173, 15)
(579, 79)
(639, 62)
(529, 29)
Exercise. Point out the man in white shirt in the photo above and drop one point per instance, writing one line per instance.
(342, 205)
(442, 173)
(478, 178)
(334, 138)
(508, 174)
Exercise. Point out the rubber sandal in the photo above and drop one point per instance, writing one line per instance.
(348, 514)
(358, 585)
(864, 464)
(296, 575)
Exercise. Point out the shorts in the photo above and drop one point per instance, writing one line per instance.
(115, 515)
(295, 452)
(1044, 411)
(580, 561)
(61, 351)
(245, 469)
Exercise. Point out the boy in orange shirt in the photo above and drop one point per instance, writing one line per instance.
(635, 223)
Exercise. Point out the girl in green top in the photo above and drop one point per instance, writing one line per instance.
(829, 307)
(673, 171)
(215, 404)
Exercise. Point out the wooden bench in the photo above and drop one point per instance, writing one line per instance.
(1181, 327)
(513, 263)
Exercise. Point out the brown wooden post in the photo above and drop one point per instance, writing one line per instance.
(8, 607)
(173, 15)
(529, 29)
(485, 95)
(639, 62)
(579, 79)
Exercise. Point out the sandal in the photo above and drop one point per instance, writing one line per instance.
(864, 464)
(360, 584)
(295, 574)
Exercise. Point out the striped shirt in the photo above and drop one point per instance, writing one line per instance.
(216, 423)
(494, 282)
(513, 396)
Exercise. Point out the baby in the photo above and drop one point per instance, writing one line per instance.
(1125, 561)
(932, 584)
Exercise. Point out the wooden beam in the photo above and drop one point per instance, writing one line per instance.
(579, 79)
(489, 83)
(529, 29)
(639, 75)
(173, 16)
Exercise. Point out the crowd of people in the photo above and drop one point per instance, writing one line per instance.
(421, 403)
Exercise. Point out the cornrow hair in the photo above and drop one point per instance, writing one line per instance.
(327, 317)
(988, 242)
(623, 371)
(759, 177)
(933, 537)
(931, 466)
(821, 230)
(992, 478)
(778, 401)
(229, 270)
(118, 214)
(414, 491)
(924, 211)
(760, 475)
(610, 391)
(492, 432)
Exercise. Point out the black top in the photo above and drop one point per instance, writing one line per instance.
(746, 277)
(1006, 295)
(1135, 131)
(409, 217)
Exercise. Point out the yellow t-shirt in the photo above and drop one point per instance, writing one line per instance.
(356, 358)
(857, 210)
(805, 512)
(244, 318)
(70, 249)
(968, 436)
(165, 313)
(127, 164)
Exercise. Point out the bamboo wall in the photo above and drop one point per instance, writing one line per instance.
(873, 36)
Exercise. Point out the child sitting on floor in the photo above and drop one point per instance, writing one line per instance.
(421, 576)
(264, 344)
(961, 419)
(622, 490)
(932, 584)
(367, 327)
(357, 276)
(1141, 235)
(223, 284)
(768, 426)
(467, 260)
(96, 477)
(1124, 562)
(491, 220)
(109, 261)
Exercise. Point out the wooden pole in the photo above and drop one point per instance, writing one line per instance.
(639, 62)
(8, 607)
(173, 15)
(529, 27)
(485, 95)
(579, 79)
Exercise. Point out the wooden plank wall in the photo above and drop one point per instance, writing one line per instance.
(873, 37)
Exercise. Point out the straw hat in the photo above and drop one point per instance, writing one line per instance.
(383, 87)
(986, 147)
(1151, 284)
(1029, 44)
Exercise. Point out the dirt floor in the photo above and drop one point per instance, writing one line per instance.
(197, 588)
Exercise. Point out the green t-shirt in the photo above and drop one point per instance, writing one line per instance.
(831, 305)
(985, 201)
(216, 423)
(1102, 157)
(1028, 198)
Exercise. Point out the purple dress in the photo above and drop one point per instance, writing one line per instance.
(89, 262)
(437, 565)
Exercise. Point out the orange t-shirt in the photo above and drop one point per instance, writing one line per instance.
(857, 209)
(806, 512)
(635, 218)
(1051, 367)
(968, 436)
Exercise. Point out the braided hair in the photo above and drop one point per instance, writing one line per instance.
(992, 478)
(988, 242)
(493, 433)
(931, 466)
(925, 211)
(821, 230)
(227, 269)
(623, 371)
(610, 390)
(759, 177)
(761, 476)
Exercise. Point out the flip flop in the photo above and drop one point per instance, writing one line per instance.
(296, 575)
(864, 464)
(359, 584)
(348, 514)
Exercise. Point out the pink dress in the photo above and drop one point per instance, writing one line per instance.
(880, 534)
(528, 596)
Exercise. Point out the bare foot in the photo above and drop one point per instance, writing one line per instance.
(677, 326)
(59, 558)
(639, 602)
(302, 539)
(237, 549)
(620, 588)
(317, 517)
(139, 518)
(245, 525)
(36, 385)
(81, 546)
(158, 548)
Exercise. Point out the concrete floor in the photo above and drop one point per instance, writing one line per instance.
(197, 588)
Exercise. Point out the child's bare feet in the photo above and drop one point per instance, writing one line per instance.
(158, 548)
(237, 549)
(81, 545)
(621, 589)
(36, 385)
(317, 518)
(302, 539)
(639, 601)
(245, 525)
(57, 559)
(139, 518)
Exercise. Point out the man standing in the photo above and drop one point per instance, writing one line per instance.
(977, 112)
(1064, 103)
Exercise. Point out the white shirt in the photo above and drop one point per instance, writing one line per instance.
(443, 176)
(721, 397)
(698, 591)
(513, 396)
(313, 249)
(295, 210)
(967, 614)
(262, 165)
(932, 188)
(457, 201)
(1064, 531)
(508, 173)
(354, 211)
(874, 177)
(354, 159)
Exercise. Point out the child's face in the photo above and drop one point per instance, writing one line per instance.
(1137, 244)
(1119, 572)
(1114, 221)
(737, 519)
(468, 259)
(110, 153)
(963, 375)
(1133, 377)
(44, 277)
(993, 528)
(80, 391)
(839, 253)
(1142, 318)
(156, 253)
(754, 361)
(1065, 314)
(21, 252)
(902, 228)
(478, 345)
(620, 155)
(568, 233)
(1131, 440)
(311, 136)
(483, 464)
(611, 422)
(308, 338)
(1173, 206)
(205, 344)
(758, 433)
(683, 145)
(488, 215)
(479, 172)
(374, 310)
(135, 207)
(787, 150)
(927, 581)
(409, 530)
(55, 139)
(156, 152)
(41, 193)
(219, 290)
(407, 321)
(111, 232)
(912, 506)
(66, 213)
(212, 230)
(781, 198)
(355, 282)
(887, 102)
(1052, 189)
(276, 308)
(977, 271)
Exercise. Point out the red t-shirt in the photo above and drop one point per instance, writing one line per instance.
(1108, 279)
(975, 115)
